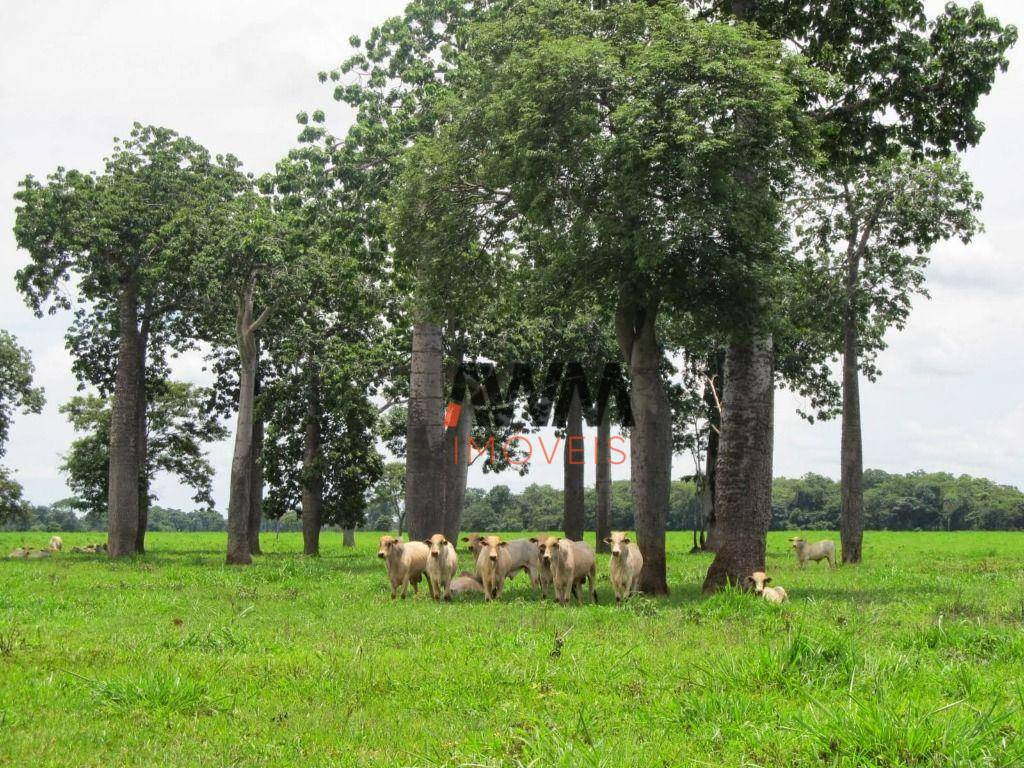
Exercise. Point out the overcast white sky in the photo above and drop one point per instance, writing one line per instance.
(232, 74)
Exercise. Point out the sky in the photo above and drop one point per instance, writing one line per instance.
(232, 74)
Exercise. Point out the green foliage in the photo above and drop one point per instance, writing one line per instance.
(578, 118)
(899, 79)
(871, 665)
(178, 425)
(885, 219)
(16, 390)
(386, 503)
(13, 507)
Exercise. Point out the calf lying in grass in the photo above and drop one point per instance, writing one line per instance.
(759, 581)
(466, 582)
(405, 563)
(24, 553)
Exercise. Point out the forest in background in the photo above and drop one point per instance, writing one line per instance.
(917, 501)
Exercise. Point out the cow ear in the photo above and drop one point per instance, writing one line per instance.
(625, 540)
(767, 579)
(427, 542)
(535, 540)
(748, 580)
(465, 538)
(502, 543)
(606, 540)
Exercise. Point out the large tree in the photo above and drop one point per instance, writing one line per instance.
(248, 266)
(866, 240)
(581, 118)
(898, 80)
(124, 236)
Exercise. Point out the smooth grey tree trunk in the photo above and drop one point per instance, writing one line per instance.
(456, 469)
(241, 462)
(744, 482)
(143, 426)
(312, 487)
(603, 484)
(425, 447)
(573, 459)
(256, 492)
(851, 517)
(125, 464)
(348, 537)
(717, 374)
(651, 444)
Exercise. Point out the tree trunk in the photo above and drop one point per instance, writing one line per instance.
(312, 484)
(851, 522)
(572, 472)
(456, 469)
(604, 482)
(256, 490)
(424, 457)
(241, 462)
(123, 478)
(717, 374)
(651, 444)
(744, 484)
(141, 414)
(349, 537)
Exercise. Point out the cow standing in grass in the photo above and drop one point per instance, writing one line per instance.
(571, 563)
(625, 565)
(405, 563)
(441, 566)
(492, 566)
(818, 551)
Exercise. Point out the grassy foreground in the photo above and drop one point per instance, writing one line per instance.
(915, 658)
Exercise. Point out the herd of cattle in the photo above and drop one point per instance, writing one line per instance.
(549, 561)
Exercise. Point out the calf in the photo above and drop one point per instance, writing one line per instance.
(466, 582)
(441, 566)
(492, 566)
(758, 580)
(523, 556)
(818, 551)
(626, 563)
(571, 563)
(56, 544)
(405, 563)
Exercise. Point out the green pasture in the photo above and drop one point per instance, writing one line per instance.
(915, 658)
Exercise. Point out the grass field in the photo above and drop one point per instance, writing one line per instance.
(915, 658)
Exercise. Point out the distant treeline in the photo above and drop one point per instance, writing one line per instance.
(924, 501)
